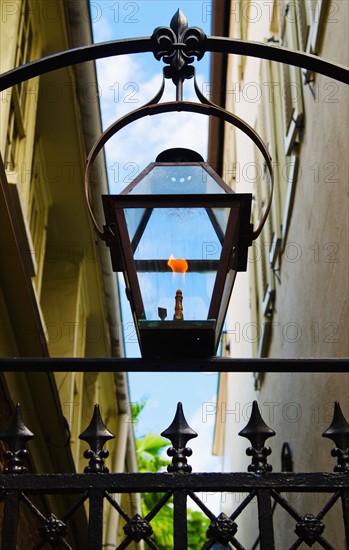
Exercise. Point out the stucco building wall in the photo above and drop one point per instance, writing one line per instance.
(308, 308)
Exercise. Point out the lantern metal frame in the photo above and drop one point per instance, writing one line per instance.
(184, 338)
(189, 338)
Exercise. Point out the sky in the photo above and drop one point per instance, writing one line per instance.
(129, 81)
(126, 83)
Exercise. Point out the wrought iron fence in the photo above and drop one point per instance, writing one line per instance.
(96, 486)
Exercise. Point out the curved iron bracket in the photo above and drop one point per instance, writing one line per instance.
(150, 44)
(178, 106)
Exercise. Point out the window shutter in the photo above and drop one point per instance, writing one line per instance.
(317, 15)
(291, 81)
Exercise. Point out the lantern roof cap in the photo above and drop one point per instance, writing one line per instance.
(179, 154)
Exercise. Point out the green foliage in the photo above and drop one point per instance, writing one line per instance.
(197, 527)
(136, 409)
(148, 450)
(149, 453)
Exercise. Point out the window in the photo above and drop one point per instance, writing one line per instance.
(291, 80)
(310, 18)
(316, 14)
(271, 111)
(264, 278)
(303, 23)
(20, 159)
(39, 202)
(266, 257)
(285, 166)
(19, 93)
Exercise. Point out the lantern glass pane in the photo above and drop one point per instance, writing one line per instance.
(177, 180)
(182, 232)
(219, 215)
(134, 220)
(179, 248)
(159, 290)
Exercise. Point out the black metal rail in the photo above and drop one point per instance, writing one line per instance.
(147, 44)
(97, 486)
(213, 364)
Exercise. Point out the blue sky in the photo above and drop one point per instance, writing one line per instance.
(126, 83)
(129, 81)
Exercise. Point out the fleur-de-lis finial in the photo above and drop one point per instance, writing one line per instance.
(177, 46)
(179, 433)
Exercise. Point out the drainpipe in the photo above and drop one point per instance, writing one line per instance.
(218, 74)
(85, 73)
(125, 455)
(118, 467)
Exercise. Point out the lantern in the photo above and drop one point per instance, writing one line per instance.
(180, 235)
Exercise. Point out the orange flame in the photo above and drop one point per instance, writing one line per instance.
(177, 266)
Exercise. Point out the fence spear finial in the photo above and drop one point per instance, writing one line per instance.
(338, 431)
(16, 435)
(257, 431)
(96, 435)
(179, 433)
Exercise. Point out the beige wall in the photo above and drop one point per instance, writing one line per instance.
(310, 314)
(58, 294)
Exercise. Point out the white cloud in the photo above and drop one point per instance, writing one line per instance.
(134, 147)
(125, 85)
(202, 459)
(102, 30)
(119, 89)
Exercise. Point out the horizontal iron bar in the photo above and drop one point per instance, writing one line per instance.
(158, 482)
(212, 364)
(162, 266)
(211, 200)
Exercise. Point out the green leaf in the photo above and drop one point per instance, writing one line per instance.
(151, 444)
(149, 449)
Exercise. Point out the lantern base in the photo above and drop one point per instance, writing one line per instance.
(177, 339)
